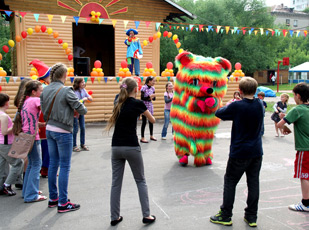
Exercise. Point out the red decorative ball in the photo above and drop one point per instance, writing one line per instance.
(169, 65)
(97, 64)
(149, 65)
(60, 41)
(165, 33)
(24, 34)
(124, 64)
(43, 28)
(70, 57)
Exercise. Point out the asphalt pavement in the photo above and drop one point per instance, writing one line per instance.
(180, 197)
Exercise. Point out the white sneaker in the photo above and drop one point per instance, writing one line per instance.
(299, 207)
(163, 138)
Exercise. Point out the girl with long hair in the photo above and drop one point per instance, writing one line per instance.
(27, 121)
(125, 147)
(168, 98)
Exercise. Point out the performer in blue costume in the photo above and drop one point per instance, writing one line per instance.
(134, 51)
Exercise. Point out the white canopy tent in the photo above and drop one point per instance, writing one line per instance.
(299, 73)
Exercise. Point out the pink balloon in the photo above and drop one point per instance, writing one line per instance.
(97, 64)
(124, 64)
(237, 66)
(149, 65)
(169, 65)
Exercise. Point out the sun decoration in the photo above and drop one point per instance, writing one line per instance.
(87, 9)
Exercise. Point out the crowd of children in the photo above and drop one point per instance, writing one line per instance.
(63, 111)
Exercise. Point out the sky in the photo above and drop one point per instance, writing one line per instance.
(278, 2)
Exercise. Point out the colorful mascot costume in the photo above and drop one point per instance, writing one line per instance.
(199, 88)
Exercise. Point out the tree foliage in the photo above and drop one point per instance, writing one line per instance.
(254, 52)
(4, 37)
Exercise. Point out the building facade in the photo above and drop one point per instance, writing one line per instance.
(300, 5)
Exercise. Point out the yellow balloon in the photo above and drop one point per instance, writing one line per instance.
(159, 34)
(92, 13)
(11, 43)
(178, 45)
(145, 43)
(175, 36)
(180, 51)
(1, 68)
(49, 31)
(30, 31)
(65, 45)
(34, 77)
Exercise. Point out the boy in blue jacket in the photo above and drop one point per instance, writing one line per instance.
(245, 152)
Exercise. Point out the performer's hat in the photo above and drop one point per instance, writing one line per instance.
(129, 30)
(42, 68)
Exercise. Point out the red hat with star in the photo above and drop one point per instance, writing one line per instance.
(42, 68)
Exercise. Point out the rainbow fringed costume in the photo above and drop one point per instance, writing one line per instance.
(199, 88)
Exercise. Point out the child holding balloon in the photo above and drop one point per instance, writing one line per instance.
(79, 89)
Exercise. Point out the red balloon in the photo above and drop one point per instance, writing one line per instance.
(60, 41)
(176, 40)
(124, 64)
(5, 48)
(97, 64)
(90, 92)
(149, 65)
(139, 82)
(169, 65)
(24, 34)
(70, 57)
(43, 28)
(150, 39)
(238, 66)
(0, 88)
(165, 33)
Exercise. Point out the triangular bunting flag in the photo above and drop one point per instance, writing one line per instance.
(187, 28)
(297, 33)
(63, 18)
(99, 79)
(251, 30)
(136, 24)
(85, 79)
(209, 28)
(158, 78)
(267, 32)
(110, 78)
(174, 78)
(142, 79)
(15, 79)
(147, 24)
(200, 27)
(283, 31)
(305, 33)
(235, 29)
(50, 17)
(277, 32)
(262, 31)
(88, 19)
(23, 14)
(227, 28)
(272, 33)
(0, 79)
(218, 28)
(117, 79)
(105, 79)
(8, 13)
(21, 78)
(183, 28)
(92, 79)
(72, 79)
(101, 20)
(232, 31)
(291, 32)
(125, 23)
(170, 27)
(7, 79)
(36, 16)
(221, 30)
(157, 25)
(76, 18)
(244, 32)
(191, 26)
(177, 27)
(196, 29)
(255, 32)
(168, 78)
(238, 31)
(114, 22)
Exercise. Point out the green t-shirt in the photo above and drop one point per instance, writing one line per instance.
(299, 115)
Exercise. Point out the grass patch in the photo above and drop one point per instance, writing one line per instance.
(281, 87)
(270, 106)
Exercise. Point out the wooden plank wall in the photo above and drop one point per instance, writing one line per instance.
(46, 48)
(104, 93)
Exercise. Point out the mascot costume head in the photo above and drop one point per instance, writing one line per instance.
(200, 85)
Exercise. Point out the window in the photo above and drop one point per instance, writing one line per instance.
(287, 22)
(295, 23)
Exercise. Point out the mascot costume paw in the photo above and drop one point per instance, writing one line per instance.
(200, 85)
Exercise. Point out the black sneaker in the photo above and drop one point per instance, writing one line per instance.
(68, 207)
(220, 219)
(251, 223)
(7, 190)
(52, 204)
(19, 186)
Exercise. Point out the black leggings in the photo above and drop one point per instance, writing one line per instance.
(144, 121)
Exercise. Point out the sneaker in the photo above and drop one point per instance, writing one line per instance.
(7, 190)
(250, 223)
(299, 207)
(68, 207)
(220, 219)
(163, 138)
(53, 203)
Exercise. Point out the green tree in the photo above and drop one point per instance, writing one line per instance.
(5, 63)
(254, 52)
(306, 10)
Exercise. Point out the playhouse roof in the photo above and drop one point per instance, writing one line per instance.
(301, 68)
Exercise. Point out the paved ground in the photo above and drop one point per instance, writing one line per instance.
(181, 198)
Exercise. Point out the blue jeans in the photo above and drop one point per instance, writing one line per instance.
(32, 176)
(135, 62)
(45, 153)
(81, 121)
(166, 122)
(60, 148)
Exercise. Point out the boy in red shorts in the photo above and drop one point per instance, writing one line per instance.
(299, 115)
